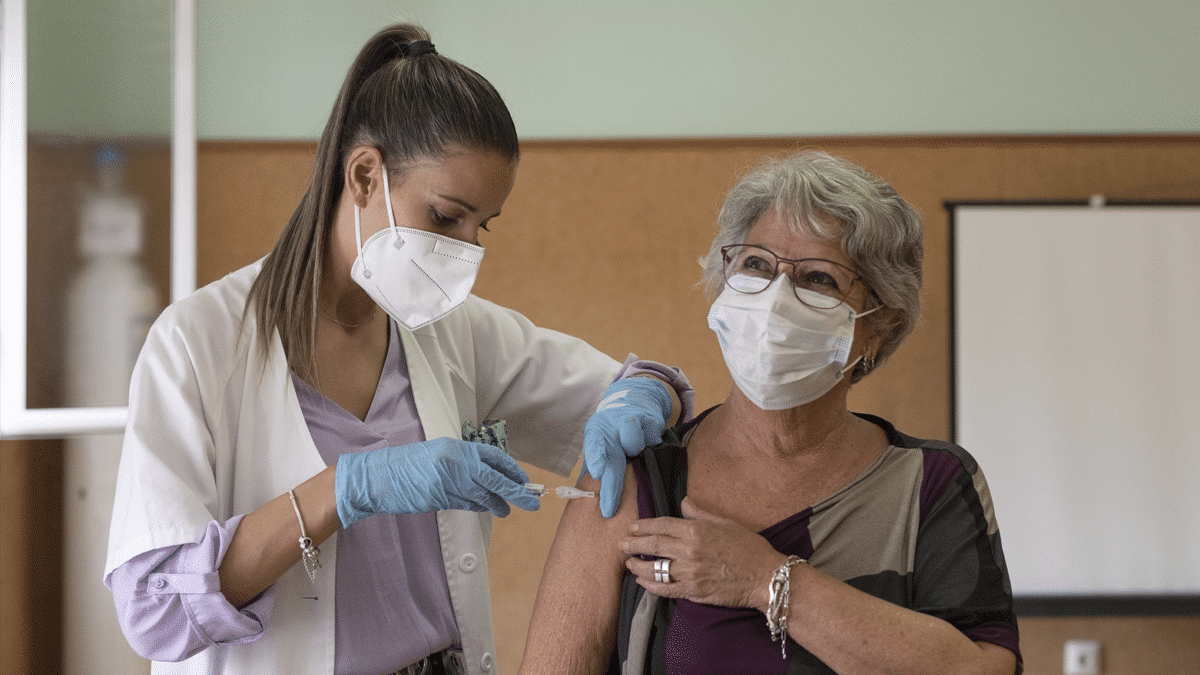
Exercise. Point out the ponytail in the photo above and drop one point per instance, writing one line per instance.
(411, 103)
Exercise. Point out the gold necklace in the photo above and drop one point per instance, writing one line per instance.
(348, 326)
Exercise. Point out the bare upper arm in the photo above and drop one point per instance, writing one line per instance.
(574, 617)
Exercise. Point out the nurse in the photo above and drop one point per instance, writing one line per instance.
(294, 493)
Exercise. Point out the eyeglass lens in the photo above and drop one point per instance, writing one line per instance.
(819, 283)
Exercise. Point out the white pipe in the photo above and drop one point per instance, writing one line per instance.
(183, 152)
(13, 238)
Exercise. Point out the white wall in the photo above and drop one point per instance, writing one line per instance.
(269, 69)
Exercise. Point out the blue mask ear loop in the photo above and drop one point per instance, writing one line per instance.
(859, 316)
(860, 356)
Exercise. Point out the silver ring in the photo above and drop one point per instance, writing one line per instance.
(662, 570)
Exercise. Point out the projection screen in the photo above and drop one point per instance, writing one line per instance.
(1075, 360)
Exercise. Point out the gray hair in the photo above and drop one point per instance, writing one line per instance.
(832, 199)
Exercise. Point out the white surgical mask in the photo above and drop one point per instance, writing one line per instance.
(781, 352)
(417, 277)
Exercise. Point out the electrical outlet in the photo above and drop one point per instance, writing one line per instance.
(1081, 657)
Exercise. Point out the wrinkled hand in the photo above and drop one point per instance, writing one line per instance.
(433, 475)
(632, 415)
(713, 560)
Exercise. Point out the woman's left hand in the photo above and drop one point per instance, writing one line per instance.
(713, 560)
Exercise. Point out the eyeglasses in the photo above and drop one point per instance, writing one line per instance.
(817, 282)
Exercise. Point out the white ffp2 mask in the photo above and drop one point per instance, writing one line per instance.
(781, 352)
(417, 277)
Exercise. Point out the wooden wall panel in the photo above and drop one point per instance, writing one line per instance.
(245, 193)
(30, 557)
(17, 614)
(1142, 646)
(600, 239)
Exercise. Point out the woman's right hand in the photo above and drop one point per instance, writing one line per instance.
(433, 475)
(714, 561)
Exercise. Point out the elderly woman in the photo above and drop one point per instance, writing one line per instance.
(779, 532)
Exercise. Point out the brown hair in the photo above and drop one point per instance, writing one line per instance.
(411, 103)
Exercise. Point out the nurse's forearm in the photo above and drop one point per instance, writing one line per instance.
(266, 543)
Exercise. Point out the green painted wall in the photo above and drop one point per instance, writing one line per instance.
(99, 67)
(269, 69)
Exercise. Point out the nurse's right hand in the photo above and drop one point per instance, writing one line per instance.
(433, 475)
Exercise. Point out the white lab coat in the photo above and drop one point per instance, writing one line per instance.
(215, 430)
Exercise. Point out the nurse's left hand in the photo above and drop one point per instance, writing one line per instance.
(632, 415)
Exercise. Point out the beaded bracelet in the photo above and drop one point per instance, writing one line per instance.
(309, 553)
(777, 606)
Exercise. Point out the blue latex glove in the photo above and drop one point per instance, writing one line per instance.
(433, 475)
(632, 415)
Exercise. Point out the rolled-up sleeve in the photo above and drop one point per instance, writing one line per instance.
(673, 376)
(169, 601)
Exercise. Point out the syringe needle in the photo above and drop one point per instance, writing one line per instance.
(568, 492)
(562, 491)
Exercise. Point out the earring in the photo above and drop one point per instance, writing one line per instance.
(868, 364)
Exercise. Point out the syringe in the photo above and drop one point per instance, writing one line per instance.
(562, 491)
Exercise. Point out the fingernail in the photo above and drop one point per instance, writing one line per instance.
(625, 546)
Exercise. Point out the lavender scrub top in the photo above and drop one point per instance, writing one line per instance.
(393, 605)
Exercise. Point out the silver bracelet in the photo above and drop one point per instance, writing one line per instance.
(311, 555)
(777, 605)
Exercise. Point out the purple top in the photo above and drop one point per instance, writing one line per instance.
(393, 605)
